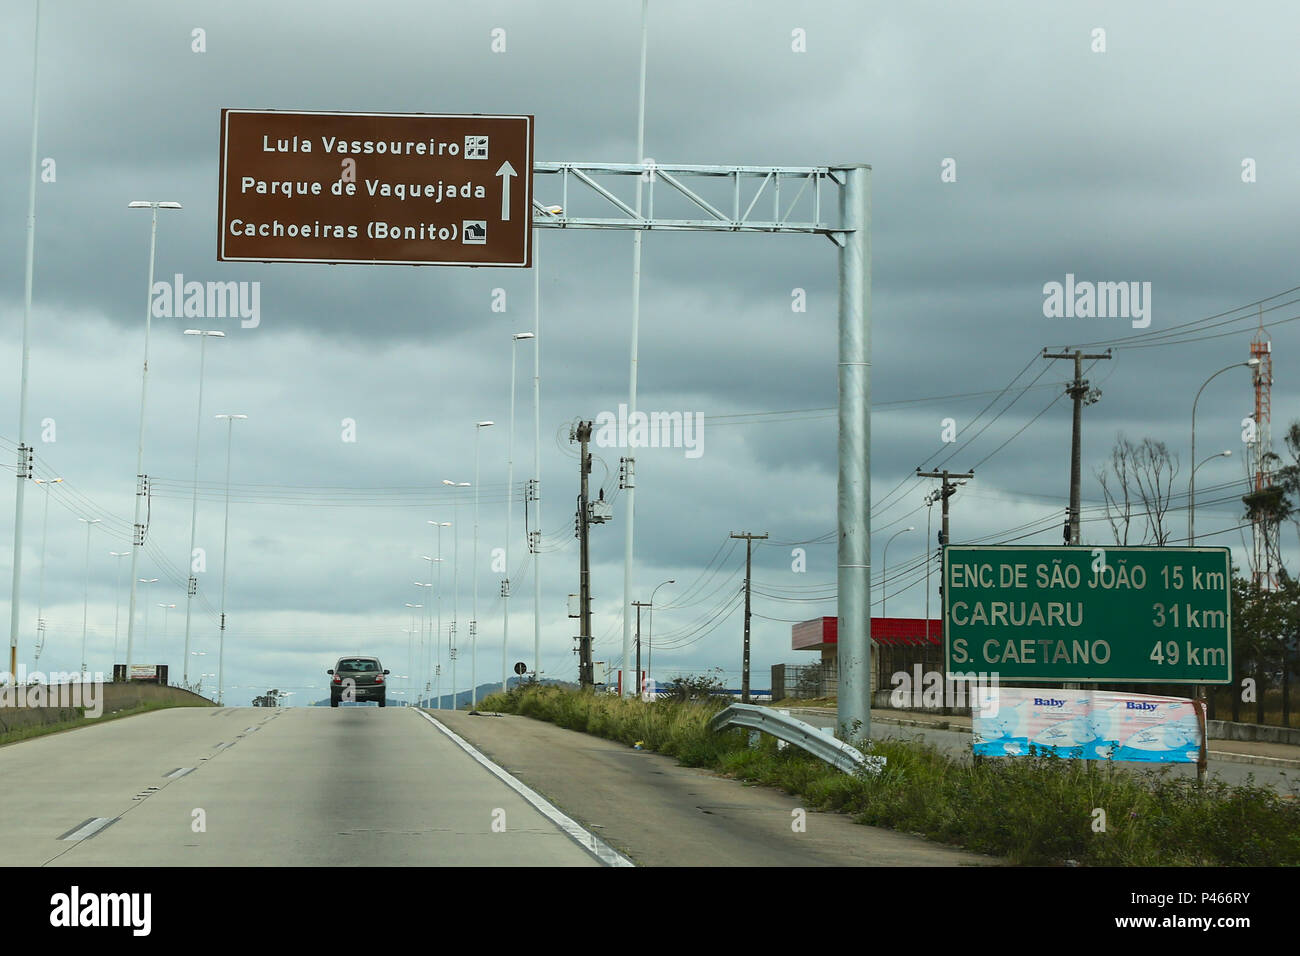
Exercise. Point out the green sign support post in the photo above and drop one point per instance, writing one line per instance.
(1092, 615)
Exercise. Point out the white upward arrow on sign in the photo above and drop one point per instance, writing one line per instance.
(505, 172)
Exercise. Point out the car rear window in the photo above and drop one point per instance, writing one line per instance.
(357, 664)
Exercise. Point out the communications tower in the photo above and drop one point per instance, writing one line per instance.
(1265, 557)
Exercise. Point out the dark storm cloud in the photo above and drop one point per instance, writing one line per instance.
(1117, 166)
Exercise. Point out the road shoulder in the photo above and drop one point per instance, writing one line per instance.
(662, 814)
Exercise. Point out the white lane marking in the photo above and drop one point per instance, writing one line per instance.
(88, 829)
(584, 838)
(178, 772)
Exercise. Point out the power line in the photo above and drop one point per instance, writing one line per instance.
(1186, 332)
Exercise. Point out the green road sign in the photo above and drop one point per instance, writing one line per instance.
(1054, 614)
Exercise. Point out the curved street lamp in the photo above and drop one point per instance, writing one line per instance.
(1191, 486)
(650, 645)
(137, 530)
(884, 565)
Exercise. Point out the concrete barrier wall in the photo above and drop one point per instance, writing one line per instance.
(881, 699)
(1227, 730)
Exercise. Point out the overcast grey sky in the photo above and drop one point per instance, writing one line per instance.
(1117, 165)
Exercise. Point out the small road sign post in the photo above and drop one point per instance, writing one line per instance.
(1115, 615)
(396, 188)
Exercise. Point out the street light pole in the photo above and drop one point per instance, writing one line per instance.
(510, 495)
(166, 608)
(884, 565)
(85, 594)
(40, 594)
(536, 544)
(1202, 689)
(146, 619)
(1191, 486)
(225, 557)
(455, 580)
(15, 594)
(473, 624)
(413, 675)
(426, 684)
(451, 634)
(137, 529)
(427, 666)
(192, 585)
(630, 478)
(437, 585)
(117, 598)
(650, 643)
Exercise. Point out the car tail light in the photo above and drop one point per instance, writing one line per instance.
(338, 679)
(379, 678)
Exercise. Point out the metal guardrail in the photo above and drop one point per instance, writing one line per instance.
(792, 730)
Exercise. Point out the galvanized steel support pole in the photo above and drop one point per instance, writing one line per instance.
(853, 711)
(191, 582)
(455, 594)
(225, 562)
(437, 640)
(537, 463)
(629, 497)
(854, 241)
(137, 530)
(22, 474)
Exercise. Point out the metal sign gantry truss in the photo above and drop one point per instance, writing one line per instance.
(805, 181)
(733, 211)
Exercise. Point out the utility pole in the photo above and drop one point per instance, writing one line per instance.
(638, 605)
(582, 434)
(1082, 394)
(946, 491)
(749, 550)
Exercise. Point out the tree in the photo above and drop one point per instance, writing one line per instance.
(1141, 476)
(1119, 506)
(698, 686)
(1288, 476)
(1264, 627)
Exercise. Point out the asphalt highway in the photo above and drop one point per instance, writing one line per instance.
(194, 786)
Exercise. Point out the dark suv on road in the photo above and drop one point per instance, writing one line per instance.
(358, 679)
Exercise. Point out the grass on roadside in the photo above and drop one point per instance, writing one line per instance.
(1037, 810)
(40, 730)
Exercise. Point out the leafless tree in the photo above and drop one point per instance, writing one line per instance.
(1119, 506)
(1139, 483)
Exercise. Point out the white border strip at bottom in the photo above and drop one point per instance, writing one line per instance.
(585, 839)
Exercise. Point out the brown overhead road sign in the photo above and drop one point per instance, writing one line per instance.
(397, 188)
